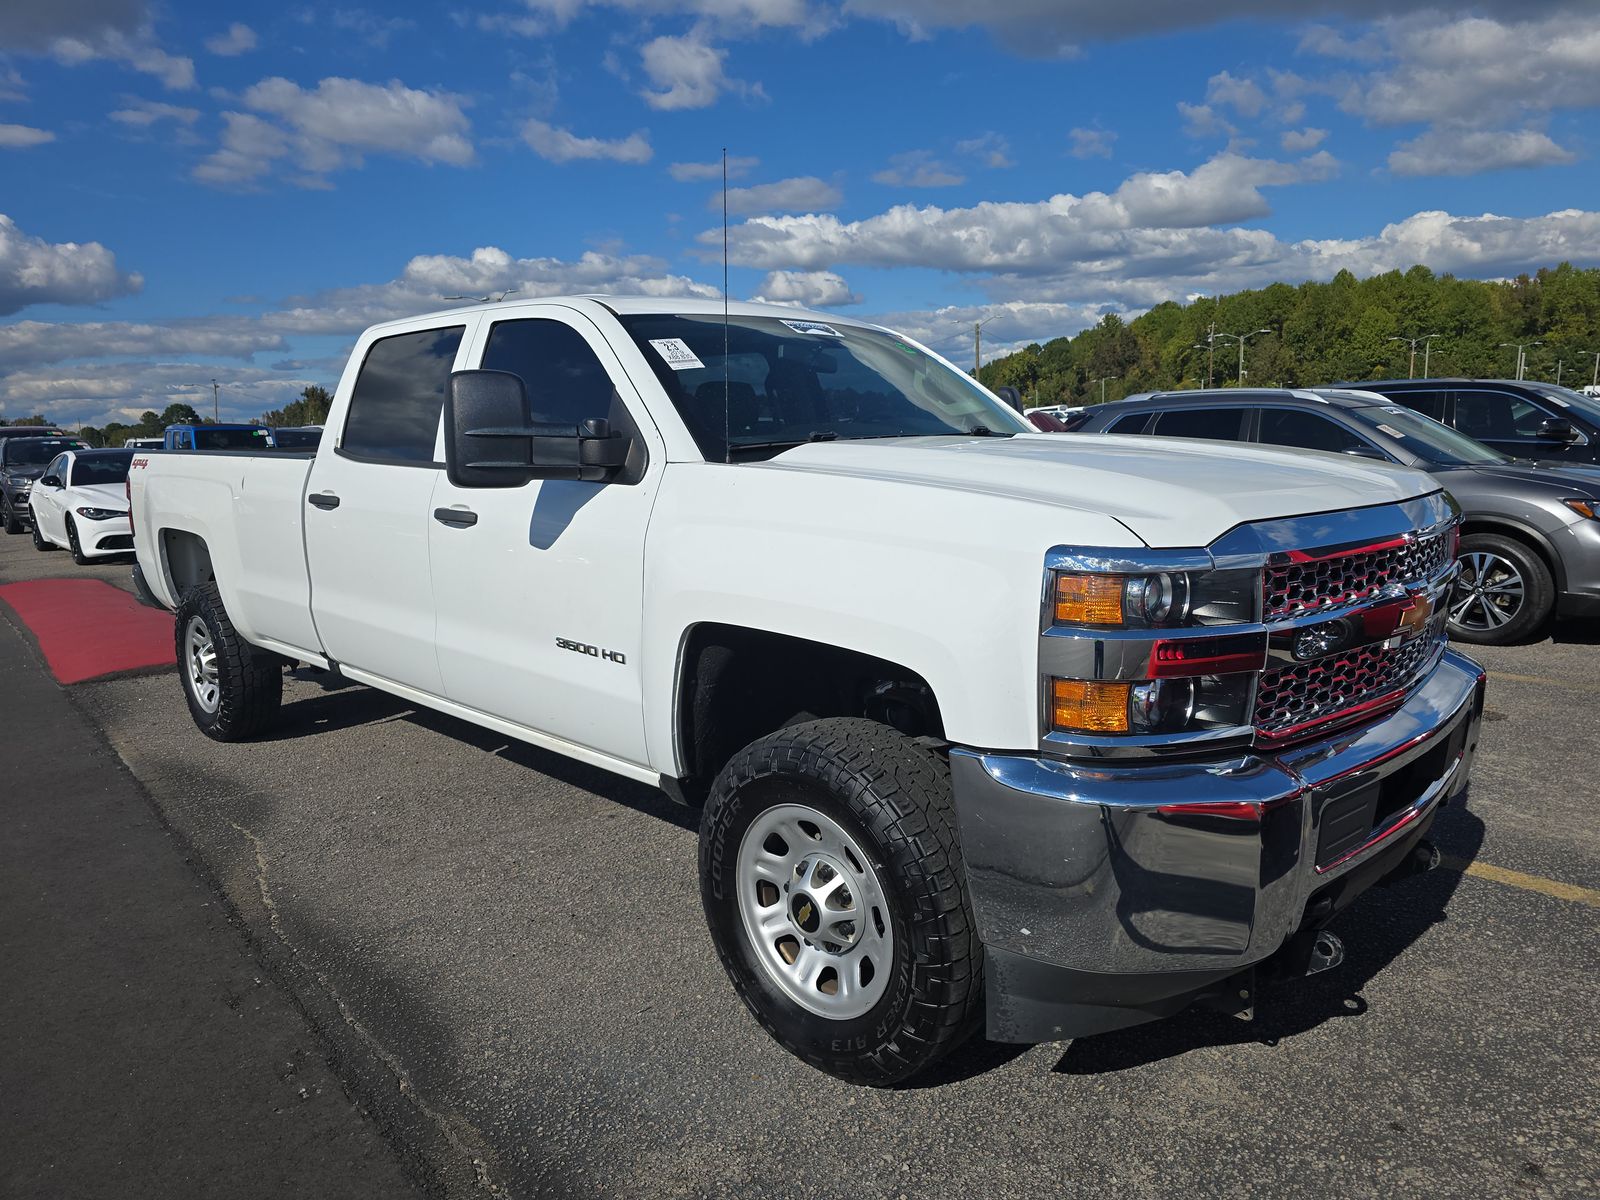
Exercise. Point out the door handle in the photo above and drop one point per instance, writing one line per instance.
(459, 517)
(324, 499)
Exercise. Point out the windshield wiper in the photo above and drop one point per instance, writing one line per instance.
(821, 435)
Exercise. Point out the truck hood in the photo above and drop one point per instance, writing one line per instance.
(1170, 492)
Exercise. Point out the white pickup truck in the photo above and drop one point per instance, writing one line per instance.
(991, 727)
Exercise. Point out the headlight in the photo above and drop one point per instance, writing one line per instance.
(1585, 508)
(1155, 599)
(100, 514)
(1150, 706)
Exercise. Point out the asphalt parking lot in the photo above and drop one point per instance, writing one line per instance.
(500, 955)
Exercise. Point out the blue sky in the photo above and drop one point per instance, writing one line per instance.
(198, 191)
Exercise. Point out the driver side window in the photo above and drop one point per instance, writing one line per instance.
(566, 381)
(58, 468)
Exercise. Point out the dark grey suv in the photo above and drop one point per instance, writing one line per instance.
(1524, 418)
(24, 450)
(1530, 535)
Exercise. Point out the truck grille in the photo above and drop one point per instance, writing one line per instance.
(1298, 694)
(1297, 588)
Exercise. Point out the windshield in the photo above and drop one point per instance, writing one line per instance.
(101, 466)
(229, 439)
(35, 452)
(296, 439)
(790, 381)
(1587, 406)
(1428, 439)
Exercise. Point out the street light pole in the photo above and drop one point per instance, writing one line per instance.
(216, 404)
(1522, 354)
(1595, 354)
(977, 343)
(1241, 338)
(1558, 372)
(1411, 366)
(1102, 382)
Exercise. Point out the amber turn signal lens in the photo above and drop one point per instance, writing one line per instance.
(1089, 599)
(1585, 508)
(1089, 706)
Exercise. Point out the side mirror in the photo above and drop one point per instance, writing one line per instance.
(1556, 429)
(491, 441)
(50, 481)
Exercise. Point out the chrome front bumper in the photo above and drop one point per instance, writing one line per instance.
(1108, 894)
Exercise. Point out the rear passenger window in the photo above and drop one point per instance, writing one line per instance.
(1429, 404)
(394, 410)
(1307, 430)
(1222, 424)
(566, 382)
(1132, 423)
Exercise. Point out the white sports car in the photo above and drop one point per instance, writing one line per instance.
(81, 502)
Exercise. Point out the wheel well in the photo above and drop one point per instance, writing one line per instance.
(736, 685)
(1523, 537)
(187, 560)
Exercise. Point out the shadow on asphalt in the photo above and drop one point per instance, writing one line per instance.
(1574, 633)
(1376, 930)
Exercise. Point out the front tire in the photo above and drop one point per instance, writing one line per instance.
(40, 542)
(13, 523)
(833, 884)
(1505, 592)
(233, 689)
(73, 544)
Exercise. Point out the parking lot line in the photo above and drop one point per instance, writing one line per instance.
(1529, 883)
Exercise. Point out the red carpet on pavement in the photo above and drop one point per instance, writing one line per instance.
(87, 628)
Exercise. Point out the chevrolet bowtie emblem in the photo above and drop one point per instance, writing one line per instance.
(1414, 619)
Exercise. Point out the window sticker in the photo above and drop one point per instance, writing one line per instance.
(1391, 431)
(676, 354)
(816, 327)
(1559, 400)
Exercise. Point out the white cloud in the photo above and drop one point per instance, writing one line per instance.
(562, 145)
(804, 193)
(21, 137)
(138, 51)
(33, 271)
(694, 172)
(332, 127)
(1203, 121)
(1298, 141)
(1024, 236)
(918, 168)
(1457, 151)
(808, 289)
(686, 73)
(1091, 143)
(38, 343)
(1009, 325)
(144, 113)
(546, 16)
(990, 149)
(1479, 70)
(239, 39)
(1244, 96)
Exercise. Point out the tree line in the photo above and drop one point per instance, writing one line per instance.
(1322, 333)
(310, 408)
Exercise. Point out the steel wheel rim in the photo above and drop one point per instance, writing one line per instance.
(1489, 594)
(814, 912)
(200, 663)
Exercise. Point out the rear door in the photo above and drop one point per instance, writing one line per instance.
(539, 588)
(367, 507)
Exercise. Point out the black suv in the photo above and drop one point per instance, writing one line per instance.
(1525, 419)
(1530, 535)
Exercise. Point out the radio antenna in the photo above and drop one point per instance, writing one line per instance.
(727, 420)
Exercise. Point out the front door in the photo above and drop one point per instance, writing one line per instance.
(538, 589)
(1510, 423)
(367, 507)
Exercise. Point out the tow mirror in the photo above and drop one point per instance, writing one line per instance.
(1556, 429)
(491, 439)
(1010, 395)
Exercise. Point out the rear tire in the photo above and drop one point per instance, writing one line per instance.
(13, 523)
(1505, 592)
(40, 542)
(73, 544)
(850, 823)
(234, 690)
